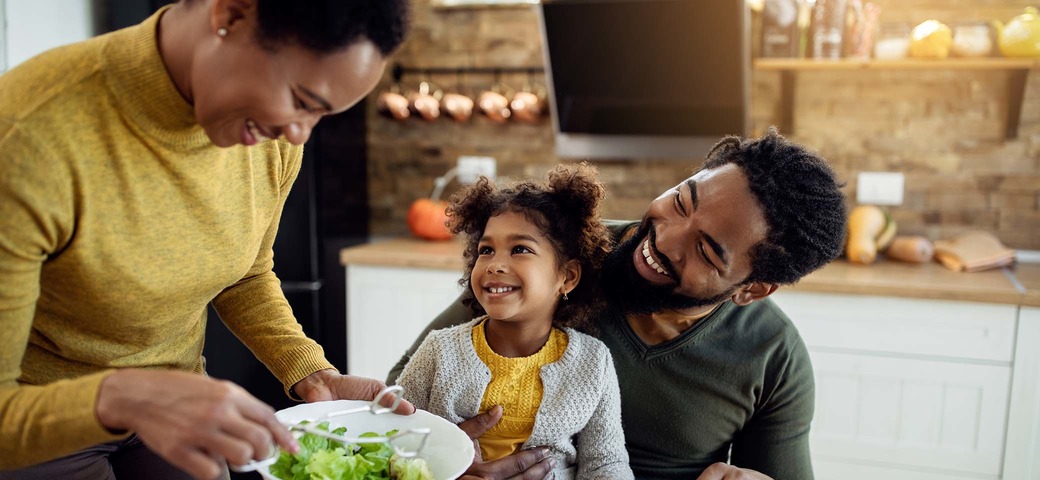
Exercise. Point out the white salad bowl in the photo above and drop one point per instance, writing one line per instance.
(448, 450)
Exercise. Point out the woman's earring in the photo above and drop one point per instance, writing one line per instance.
(565, 296)
(221, 32)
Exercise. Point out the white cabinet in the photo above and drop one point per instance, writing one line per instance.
(387, 308)
(3, 37)
(1022, 459)
(905, 388)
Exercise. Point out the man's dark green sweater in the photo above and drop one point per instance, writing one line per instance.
(738, 385)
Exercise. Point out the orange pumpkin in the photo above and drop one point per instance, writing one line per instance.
(427, 218)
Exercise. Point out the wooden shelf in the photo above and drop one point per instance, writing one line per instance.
(801, 64)
(789, 68)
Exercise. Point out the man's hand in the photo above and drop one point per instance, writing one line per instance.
(725, 471)
(533, 464)
(192, 421)
(330, 385)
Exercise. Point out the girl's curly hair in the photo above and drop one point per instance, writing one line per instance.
(566, 209)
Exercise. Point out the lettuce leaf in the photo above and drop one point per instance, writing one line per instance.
(410, 469)
(320, 458)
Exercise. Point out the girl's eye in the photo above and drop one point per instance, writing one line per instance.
(520, 249)
(678, 202)
(485, 251)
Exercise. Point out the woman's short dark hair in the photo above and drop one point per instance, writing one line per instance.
(325, 26)
(802, 200)
(565, 208)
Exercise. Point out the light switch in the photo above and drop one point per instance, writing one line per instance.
(879, 188)
(470, 169)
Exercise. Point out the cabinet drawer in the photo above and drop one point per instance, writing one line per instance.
(909, 413)
(826, 469)
(962, 330)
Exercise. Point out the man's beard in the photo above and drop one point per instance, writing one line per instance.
(626, 289)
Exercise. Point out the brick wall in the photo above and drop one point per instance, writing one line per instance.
(944, 129)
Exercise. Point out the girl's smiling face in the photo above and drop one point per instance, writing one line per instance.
(517, 276)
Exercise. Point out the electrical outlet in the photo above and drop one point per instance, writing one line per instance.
(470, 169)
(879, 188)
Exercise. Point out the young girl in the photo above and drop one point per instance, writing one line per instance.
(527, 249)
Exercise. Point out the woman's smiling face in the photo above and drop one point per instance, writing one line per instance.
(243, 92)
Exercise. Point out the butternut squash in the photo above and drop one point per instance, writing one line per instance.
(867, 224)
(913, 249)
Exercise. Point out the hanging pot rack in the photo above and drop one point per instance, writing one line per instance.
(399, 71)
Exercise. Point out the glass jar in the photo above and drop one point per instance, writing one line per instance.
(893, 41)
(780, 28)
(972, 39)
(828, 25)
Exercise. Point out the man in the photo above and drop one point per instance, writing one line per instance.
(710, 370)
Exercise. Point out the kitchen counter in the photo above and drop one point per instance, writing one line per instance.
(406, 253)
(1018, 285)
(927, 280)
(1028, 275)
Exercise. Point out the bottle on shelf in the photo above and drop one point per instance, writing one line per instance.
(780, 35)
(828, 25)
(861, 28)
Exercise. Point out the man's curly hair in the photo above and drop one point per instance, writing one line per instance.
(566, 209)
(802, 201)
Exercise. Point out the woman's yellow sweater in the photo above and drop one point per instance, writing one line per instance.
(119, 222)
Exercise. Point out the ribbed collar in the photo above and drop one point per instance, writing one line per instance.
(553, 349)
(137, 77)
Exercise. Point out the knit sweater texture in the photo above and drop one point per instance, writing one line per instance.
(579, 418)
(119, 223)
(516, 385)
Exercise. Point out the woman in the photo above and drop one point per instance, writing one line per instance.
(140, 184)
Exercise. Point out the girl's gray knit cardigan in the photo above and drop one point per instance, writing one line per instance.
(579, 418)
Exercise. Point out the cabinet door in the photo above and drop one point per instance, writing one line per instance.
(901, 412)
(1022, 460)
(831, 470)
(387, 308)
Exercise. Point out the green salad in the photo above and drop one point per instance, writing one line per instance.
(320, 458)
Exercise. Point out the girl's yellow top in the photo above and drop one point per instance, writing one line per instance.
(516, 384)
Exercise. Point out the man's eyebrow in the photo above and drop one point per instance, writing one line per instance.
(692, 185)
(717, 247)
(317, 98)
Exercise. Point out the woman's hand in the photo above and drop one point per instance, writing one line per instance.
(533, 464)
(192, 421)
(330, 385)
(725, 471)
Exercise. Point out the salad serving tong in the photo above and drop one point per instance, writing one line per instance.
(374, 407)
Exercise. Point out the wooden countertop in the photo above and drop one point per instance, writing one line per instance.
(1028, 275)
(1018, 285)
(405, 252)
(898, 279)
